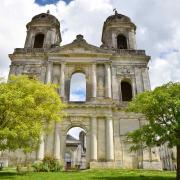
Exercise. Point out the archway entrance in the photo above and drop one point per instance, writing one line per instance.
(75, 153)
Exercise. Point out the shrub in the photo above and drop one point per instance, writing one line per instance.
(48, 164)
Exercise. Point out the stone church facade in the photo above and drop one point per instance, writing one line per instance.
(114, 73)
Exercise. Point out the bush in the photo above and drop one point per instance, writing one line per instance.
(48, 164)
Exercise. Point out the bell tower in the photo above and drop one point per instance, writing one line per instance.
(118, 32)
(43, 32)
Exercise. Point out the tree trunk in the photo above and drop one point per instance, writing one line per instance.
(178, 163)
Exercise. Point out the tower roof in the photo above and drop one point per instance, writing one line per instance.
(119, 18)
(44, 18)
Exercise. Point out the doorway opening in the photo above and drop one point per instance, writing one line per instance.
(75, 153)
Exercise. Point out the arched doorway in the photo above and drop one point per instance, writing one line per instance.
(75, 153)
(78, 87)
(121, 42)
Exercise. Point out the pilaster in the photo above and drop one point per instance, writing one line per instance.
(49, 72)
(57, 142)
(109, 139)
(146, 81)
(94, 81)
(62, 83)
(115, 88)
(108, 81)
(40, 155)
(93, 139)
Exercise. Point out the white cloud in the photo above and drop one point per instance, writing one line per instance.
(165, 69)
(157, 22)
(78, 87)
(75, 131)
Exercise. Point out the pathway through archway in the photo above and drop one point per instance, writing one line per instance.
(75, 154)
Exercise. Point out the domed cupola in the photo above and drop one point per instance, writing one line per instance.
(43, 31)
(119, 32)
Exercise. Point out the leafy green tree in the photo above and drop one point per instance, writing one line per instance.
(162, 110)
(27, 107)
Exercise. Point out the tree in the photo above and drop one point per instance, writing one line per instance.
(27, 108)
(162, 110)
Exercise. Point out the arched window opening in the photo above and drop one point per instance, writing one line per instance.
(121, 42)
(39, 41)
(78, 88)
(75, 154)
(126, 91)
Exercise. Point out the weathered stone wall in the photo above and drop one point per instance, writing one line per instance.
(102, 116)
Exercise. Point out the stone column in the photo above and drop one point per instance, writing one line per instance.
(108, 80)
(94, 81)
(109, 140)
(146, 81)
(57, 142)
(49, 72)
(138, 78)
(133, 87)
(40, 155)
(62, 79)
(93, 139)
(132, 40)
(114, 40)
(120, 92)
(115, 88)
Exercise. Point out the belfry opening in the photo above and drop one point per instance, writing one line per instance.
(39, 41)
(121, 42)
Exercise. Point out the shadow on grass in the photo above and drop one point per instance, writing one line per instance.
(134, 178)
(10, 175)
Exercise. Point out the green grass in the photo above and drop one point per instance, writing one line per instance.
(111, 174)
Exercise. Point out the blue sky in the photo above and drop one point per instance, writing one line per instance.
(44, 2)
(78, 87)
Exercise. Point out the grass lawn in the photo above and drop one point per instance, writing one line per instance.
(110, 174)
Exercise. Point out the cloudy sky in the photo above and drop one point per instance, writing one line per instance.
(158, 28)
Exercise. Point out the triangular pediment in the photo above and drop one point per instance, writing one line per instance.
(79, 45)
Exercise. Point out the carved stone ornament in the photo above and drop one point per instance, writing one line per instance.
(124, 70)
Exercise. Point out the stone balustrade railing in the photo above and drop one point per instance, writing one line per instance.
(29, 50)
(130, 52)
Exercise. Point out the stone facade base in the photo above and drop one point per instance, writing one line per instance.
(110, 165)
(152, 165)
(102, 165)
